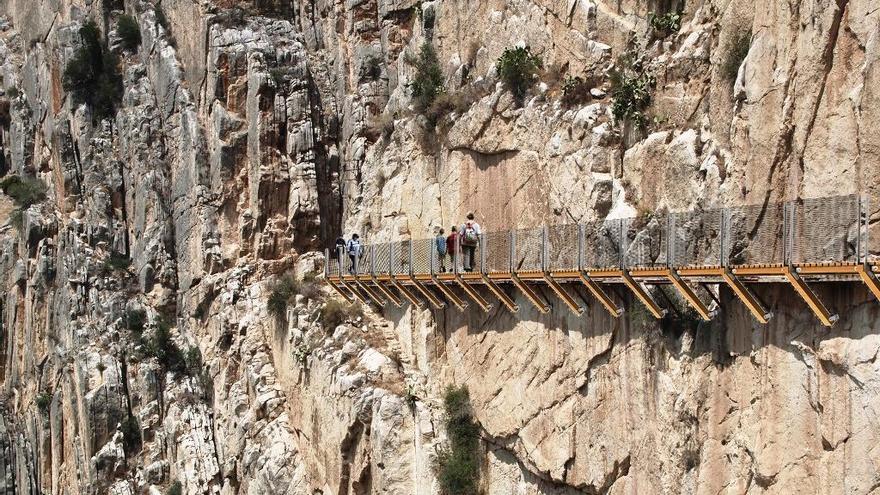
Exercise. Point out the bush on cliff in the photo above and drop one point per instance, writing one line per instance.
(518, 67)
(287, 288)
(24, 191)
(459, 466)
(129, 32)
(631, 87)
(428, 81)
(92, 74)
(665, 24)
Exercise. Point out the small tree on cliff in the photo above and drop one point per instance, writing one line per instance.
(459, 466)
(428, 81)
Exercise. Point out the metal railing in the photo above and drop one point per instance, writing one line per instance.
(809, 231)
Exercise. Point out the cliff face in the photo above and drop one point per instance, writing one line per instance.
(139, 346)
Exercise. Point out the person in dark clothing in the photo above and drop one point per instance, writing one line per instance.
(470, 239)
(452, 245)
(440, 242)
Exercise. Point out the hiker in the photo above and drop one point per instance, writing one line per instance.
(440, 242)
(339, 249)
(355, 251)
(470, 239)
(452, 245)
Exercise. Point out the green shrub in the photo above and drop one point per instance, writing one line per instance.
(131, 434)
(575, 91)
(736, 53)
(193, 360)
(446, 103)
(92, 74)
(44, 400)
(631, 87)
(459, 466)
(175, 489)
(335, 313)
(428, 80)
(24, 191)
(665, 24)
(301, 354)
(12, 92)
(129, 32)
(162, 19)
(136, 320)
(517, 68)
(162, 347)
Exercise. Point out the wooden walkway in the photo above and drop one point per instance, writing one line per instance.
(822, 240)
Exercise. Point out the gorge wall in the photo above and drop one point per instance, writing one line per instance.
(250, 134)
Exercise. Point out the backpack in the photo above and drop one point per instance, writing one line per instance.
(469, 237)
(354, 247)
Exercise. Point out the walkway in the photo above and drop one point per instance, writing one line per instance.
(824, 239)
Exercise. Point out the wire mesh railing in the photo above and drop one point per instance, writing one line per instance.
(809, 231)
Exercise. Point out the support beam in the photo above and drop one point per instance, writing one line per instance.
(501, 295)
(745, 295)
(569, 301)
(688, 294)
(371, 293)
(429, 295)
(341, 292)
(387, 293)
(870, 279)
(407, 294)
(353, 289)
(643, 296)
(457, 301)
(600, 295)
(474, 295)
(539, 303)
(826, 317)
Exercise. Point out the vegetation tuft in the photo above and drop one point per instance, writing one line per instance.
(44, 400)
(665, 24)
(428, 81)
(162, 347)
(575, 91)
(129, 32)
(24, 191)
(117, 262)
(736, 54)
(518, 68)
(131, 434)
(459, 466)
(92, 75)
(335, 313)
(175, 489)
(136, 320)
(631, 87)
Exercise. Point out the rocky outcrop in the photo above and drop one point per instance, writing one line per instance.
(142, 342)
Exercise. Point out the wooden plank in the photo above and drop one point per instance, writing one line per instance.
(828, 270)
(575, 308)
(745, 295)
(458, 302)
(339, 291)
(387, 293)
(474, 295)
(688, 294)
(870, 279)
(766, 271)
(652, 272)
(825, 317)
(643, 296)
(539, 303)
(701, 272)
(600, 295)
(501, 295)
(429, 295)
(371, 293)
(596, 274)
(407, 294)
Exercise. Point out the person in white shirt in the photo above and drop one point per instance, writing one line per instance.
(470, 238)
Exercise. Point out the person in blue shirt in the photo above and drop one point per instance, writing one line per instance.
(440, 242)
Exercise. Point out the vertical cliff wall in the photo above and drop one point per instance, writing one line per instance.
(142, 344)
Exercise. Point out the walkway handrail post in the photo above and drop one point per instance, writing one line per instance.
(411, 257)
(544, 262)
(327, 263)
(372, 260)
(512, 251)
(862, 246)
(433, 255)
(621, 248)
(787, 226)
(580, 255)
(483, 253)
(725, 226)
(670, 240)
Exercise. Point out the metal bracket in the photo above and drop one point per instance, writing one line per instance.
(500, 294)
(643, 296)
(430, 296)
(340, 291)
(688, 294)
(406, 293)
(539, 303)
(826, 317)
(473, 294)
(600, 295)
(569, 301)
(745, 295)
(458, 302)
